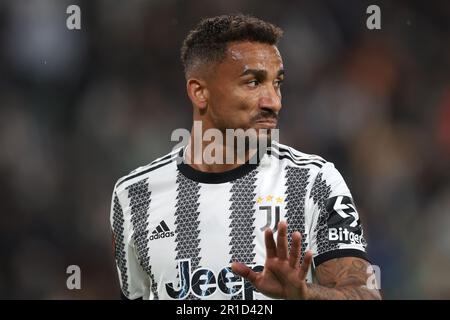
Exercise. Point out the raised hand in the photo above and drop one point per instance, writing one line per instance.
(283, 277)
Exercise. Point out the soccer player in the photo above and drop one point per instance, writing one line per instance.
(195, 230)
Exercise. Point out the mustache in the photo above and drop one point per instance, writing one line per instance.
(265, 115)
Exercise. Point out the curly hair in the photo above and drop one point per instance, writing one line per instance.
(207, 42)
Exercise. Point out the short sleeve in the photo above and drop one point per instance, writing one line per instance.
(134, 282)
(336, 230)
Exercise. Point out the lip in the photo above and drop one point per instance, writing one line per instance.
(268, 123)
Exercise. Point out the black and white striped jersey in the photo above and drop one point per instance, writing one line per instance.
(177, 230)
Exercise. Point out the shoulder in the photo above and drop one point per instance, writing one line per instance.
(142, 173)
(322, 172)
(295, 157)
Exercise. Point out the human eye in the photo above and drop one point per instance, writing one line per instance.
(253, 83)
(278, 83)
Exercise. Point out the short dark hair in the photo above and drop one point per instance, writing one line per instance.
(207, 42)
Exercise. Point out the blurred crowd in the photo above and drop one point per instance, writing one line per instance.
(80, 108)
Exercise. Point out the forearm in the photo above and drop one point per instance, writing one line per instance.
(343, 279)
(318, 292)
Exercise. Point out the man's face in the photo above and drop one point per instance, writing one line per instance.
(244, 91)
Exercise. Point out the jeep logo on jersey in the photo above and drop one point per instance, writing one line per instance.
(343, 221)
(203, 282)
(161, 231)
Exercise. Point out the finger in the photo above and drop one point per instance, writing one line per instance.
(282, 242)
(271, 248)
(245, 272)
(294, 253)
(304, 268)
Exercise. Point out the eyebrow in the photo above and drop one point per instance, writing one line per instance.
(260, 73)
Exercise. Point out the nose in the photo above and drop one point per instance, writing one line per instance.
(271, 99)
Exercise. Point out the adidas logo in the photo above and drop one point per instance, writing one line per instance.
(161, 231)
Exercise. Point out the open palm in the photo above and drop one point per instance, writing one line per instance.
(283, 277)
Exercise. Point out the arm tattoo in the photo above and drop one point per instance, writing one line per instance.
(343, 278)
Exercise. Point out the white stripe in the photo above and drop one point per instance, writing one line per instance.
(150, 166)
(297, 154)
(299, 162)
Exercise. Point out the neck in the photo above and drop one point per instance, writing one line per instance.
(215, 157)
(219, 155)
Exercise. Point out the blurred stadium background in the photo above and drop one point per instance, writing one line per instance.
(79, 109)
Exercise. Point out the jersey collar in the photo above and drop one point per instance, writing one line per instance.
(216, 177)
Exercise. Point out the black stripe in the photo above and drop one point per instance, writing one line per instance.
(146, 171)
(297, 162)
(297, 157)
(140, 198)
(340, 253)
(285, 156)
(242, 224)
(170, 155)
(164, 225)
(319, 193)
(296, 188)
(155, 162)
(166, 157)
(187, 223)
(159, 229)
(119, 240)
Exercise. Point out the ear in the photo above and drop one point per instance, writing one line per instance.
(197, 92)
